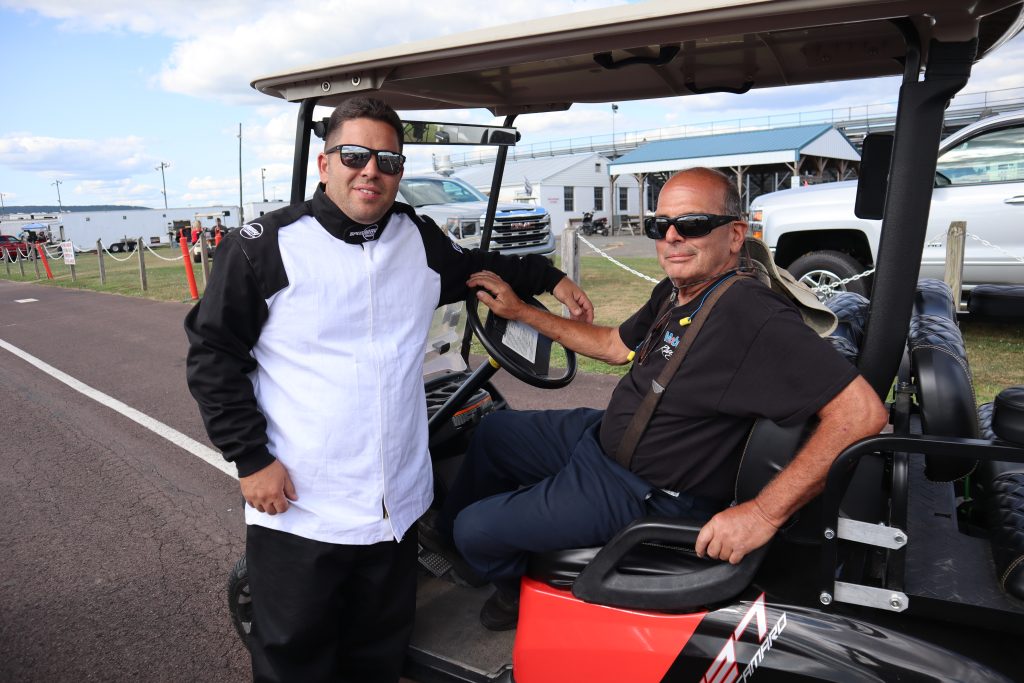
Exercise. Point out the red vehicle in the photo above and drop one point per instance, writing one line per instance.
(13, 248)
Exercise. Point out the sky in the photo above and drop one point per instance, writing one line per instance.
(99, 93)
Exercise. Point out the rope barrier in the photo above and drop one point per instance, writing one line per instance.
(163, 258)
(119, 260)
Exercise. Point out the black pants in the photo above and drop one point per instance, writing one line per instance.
(326, 612)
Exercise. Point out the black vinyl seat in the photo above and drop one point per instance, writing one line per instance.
(939, 369)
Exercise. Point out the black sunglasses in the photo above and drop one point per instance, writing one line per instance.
(357, 156)
(687, 225)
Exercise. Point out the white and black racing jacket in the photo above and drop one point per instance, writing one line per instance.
(308, 347)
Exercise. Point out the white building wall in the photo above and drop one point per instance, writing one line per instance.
(550, 192)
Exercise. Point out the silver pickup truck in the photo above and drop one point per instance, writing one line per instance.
(460, 209)
(980, 179)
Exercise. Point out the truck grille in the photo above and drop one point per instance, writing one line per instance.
(513, 229)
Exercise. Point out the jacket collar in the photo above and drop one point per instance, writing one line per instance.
(341, 226)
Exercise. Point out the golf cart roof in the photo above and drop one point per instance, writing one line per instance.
(667, 49)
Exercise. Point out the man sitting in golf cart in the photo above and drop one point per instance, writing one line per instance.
(670, 441)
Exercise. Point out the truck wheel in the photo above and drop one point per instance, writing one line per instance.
(240, 599)
(826, 269)
(115, 248)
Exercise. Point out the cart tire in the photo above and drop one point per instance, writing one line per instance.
(240, 600)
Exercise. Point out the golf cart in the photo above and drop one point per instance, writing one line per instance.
(909, 566)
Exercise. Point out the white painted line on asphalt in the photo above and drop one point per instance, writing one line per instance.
(197, 449)
(24, 301)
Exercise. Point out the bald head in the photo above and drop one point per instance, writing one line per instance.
(718, 189)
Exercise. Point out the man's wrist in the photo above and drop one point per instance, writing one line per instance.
(763, 514)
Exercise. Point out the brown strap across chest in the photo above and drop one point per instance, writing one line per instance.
(642, 416)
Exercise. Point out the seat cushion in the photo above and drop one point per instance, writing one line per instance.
(560, 568)
(997, 301)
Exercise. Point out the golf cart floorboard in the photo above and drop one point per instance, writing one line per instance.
(952, 573)
(448, 626)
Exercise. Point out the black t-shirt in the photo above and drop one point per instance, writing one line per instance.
(754, 357)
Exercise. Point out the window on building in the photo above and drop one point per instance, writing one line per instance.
(569, 194)
(597, 167)
(623, 199)
(87, 219)
(598, 199)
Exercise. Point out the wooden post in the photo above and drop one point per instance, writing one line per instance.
(570, 259)
(7, 261)
(99, 256)
(140, 247)
(21, 264)
(204, 258)
(35, 264)
(956, 238)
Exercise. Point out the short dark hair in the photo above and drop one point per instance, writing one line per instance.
(365, 108)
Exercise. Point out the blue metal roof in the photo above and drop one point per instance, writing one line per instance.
(748, 142)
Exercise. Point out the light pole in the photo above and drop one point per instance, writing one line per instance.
(241, 211)
(60, 205)
(163, 179)
(615, 110)
(3, 209)
(263, 183)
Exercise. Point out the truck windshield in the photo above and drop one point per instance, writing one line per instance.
(427, 191)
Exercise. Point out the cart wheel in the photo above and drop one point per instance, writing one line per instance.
(240, 600)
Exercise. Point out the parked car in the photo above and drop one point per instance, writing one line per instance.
(13, 248)
(459, 208)
(979, 179)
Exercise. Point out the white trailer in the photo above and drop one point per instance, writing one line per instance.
(119, 230)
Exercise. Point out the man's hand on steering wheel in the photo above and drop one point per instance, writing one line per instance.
(498, 296)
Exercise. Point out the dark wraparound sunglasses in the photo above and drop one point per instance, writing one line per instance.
(356, 156)
(687, 225)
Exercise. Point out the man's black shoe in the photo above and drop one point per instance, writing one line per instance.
(433, 540)
(501, 611)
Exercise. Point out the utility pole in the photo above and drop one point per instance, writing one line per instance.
(3, 209)
(161, 167)
(57, 183)
(263, 183)
(241, 211)
(615, 110)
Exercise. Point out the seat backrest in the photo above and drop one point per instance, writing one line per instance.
(938, 365)
(770, 448)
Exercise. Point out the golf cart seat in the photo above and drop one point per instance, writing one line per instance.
(998, 489)
(651, 563)
(997, 301)
(939, 369)
(851, 311)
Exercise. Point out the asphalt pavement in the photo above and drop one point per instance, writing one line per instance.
(116, 543)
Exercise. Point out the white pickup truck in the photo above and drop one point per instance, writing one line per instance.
(814, 233)
(460, 209)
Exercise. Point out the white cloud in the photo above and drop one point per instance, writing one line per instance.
(111, 158)
(223, 45)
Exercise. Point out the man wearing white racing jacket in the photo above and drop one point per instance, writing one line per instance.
(306, 359)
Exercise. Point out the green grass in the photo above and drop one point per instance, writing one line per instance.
(995, 350)
(165, 279)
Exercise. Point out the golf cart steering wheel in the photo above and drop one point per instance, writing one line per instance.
(518, 366)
